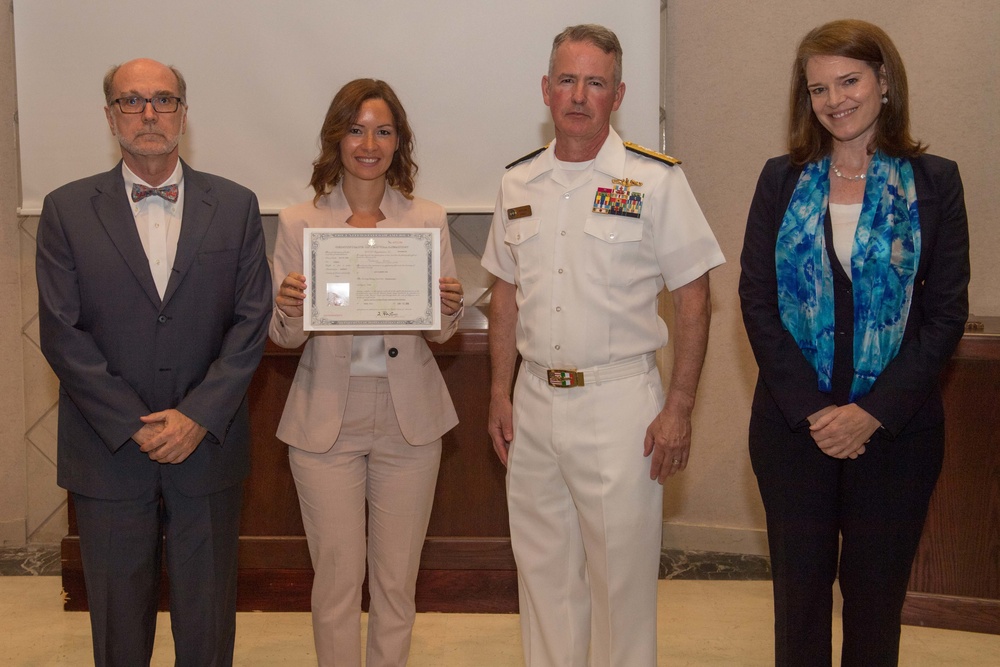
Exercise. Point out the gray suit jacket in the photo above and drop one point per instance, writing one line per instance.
(120, 351)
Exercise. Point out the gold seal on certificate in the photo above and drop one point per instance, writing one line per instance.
(372, 279)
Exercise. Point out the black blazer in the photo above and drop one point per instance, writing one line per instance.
(120, 352)
(906, 396)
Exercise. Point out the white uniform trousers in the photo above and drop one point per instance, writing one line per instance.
(370, 461)
(585, 521)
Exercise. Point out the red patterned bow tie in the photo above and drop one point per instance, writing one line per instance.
(140, 192)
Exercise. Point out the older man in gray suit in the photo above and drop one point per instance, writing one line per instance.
(154, 298)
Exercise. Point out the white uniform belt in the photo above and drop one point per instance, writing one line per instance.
(566, 378)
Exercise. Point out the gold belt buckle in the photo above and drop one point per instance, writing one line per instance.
(561, 378)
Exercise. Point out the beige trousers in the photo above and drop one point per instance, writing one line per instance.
(369, 464)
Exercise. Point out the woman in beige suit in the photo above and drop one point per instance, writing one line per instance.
(365, 414)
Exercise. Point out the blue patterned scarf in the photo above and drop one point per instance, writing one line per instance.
(884, 262)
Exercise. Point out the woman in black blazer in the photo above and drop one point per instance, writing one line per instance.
(854, 293)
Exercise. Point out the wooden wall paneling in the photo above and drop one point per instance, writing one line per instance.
(955, 582)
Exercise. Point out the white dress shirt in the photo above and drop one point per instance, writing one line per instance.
(158, 222)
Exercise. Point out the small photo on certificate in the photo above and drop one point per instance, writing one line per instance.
(372, 279)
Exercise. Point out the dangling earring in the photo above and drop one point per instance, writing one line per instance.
(885, 100)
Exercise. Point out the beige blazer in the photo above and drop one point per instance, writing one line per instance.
(314, 410)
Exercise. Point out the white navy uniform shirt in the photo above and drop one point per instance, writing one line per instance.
(587, 282)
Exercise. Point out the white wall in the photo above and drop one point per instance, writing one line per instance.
(261, 74)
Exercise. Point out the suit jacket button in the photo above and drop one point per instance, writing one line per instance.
(161, 319)
(393, 352)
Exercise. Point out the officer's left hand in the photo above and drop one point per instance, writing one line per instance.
(668, 440)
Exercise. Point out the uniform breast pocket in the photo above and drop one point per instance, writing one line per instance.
(522, 236)
(614, 247)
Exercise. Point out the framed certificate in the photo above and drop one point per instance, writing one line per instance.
(372, 279)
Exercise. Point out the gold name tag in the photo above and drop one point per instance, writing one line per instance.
(518, 212)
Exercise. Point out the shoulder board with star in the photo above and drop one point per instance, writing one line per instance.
(665, 159)
(526, 157)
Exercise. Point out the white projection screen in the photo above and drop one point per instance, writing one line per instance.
(261, 75)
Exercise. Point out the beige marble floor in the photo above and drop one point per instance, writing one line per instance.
(702, 623)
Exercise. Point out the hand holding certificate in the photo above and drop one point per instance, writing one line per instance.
(372, 279)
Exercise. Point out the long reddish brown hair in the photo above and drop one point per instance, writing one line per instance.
(328, 168)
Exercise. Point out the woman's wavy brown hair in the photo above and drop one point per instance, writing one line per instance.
(328, 168)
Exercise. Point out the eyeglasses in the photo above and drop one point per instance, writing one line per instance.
(136, 104)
